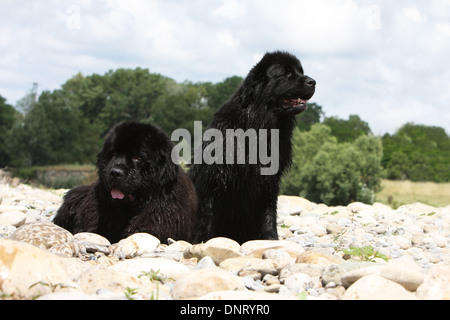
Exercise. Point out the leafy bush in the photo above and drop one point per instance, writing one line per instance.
(333, 173)
(25, 174)
(417, 153)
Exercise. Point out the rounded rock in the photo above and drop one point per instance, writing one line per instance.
(26, 271)
(13, 218)
(42, 234)
(257, 247)
(200, 282)
(374, 287)
(298, 282)
(409, 278)
(219, 249)
(135, 245)
(93, 242)
(238, 264)
(318, 258)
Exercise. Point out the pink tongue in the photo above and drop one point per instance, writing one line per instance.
(116, 194)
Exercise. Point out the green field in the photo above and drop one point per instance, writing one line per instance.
(397, 193)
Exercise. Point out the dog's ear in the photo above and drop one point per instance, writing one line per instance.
(251, 88)
(256, 80)
(103, 155)
(169, 170)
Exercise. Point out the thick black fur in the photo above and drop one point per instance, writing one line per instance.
(235, 200)
(135, 165)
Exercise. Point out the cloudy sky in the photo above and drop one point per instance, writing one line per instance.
(387, 61)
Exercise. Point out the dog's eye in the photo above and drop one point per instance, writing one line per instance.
(289, 74)
(137, 158)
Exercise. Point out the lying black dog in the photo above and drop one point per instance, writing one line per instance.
(236, 200)
(139, 190)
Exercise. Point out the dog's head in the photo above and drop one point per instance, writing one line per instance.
(283, 83)
(135, 161)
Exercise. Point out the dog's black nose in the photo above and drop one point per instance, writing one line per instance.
(116, 172)
(310, 82)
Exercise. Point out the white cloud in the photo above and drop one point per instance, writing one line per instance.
(226, 38)
(386, 61)
(230, 9)
(413, 14)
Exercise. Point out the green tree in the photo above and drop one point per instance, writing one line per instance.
(427, 153)
(88, 94)
(331, 176)
(347, 130)
(25, 104)
(8, 116)
(52, 132)
(305, 146)
(122, 94)
(219, 93)
(180, 109)
(371, 150)
(309, 117)
(334, 173)
(398, 166)
(130, 95)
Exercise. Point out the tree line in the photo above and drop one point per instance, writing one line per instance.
(335, 160)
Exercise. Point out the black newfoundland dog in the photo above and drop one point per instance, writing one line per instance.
(139, 190)
(236, 200)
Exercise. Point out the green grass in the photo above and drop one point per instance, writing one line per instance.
(68, 167)
(398, 193)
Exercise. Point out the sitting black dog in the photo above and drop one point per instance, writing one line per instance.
(236, 200)
(139, 190)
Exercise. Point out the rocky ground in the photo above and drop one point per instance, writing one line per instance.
(352, 252)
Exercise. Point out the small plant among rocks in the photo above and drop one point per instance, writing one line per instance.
(367, 253)
(155, 276)
(130, 293)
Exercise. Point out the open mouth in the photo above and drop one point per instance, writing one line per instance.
(295, 103)
(116, 194)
